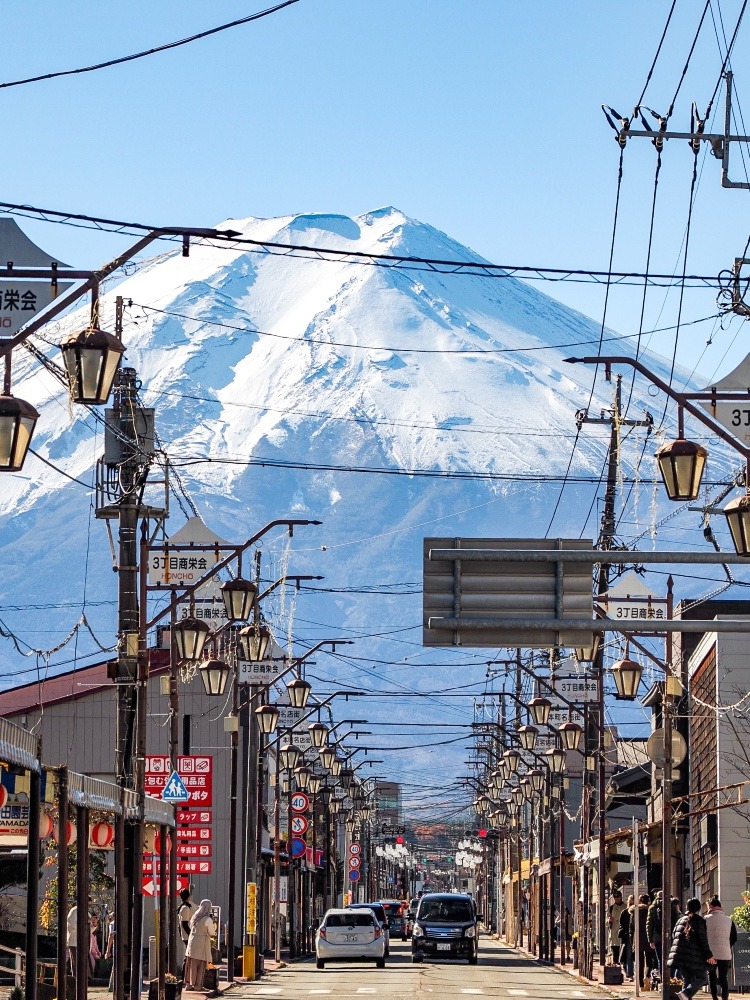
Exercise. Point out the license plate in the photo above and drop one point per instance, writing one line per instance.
(443, 946)
(351, 937)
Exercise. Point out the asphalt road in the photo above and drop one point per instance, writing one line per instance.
(500, 974)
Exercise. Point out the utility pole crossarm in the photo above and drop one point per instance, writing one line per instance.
(681, 398)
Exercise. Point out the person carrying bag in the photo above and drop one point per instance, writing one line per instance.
(690, 951)
(198, 951)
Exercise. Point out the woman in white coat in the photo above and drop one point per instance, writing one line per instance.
(198, 951)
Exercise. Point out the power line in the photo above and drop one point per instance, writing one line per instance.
(149, 52)
(232, 240)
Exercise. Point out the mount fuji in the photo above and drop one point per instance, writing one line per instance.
(390, 404)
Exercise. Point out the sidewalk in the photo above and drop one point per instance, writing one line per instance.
(624, 992)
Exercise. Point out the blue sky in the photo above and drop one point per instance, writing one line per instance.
(482, 118)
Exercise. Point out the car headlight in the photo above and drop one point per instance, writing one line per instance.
(418, 931)
(470, 932)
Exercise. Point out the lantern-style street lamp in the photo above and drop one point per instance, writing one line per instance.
(268, 717)
(681, 464)
(527, 736)
(17, 420)
(303, 775)
(571, 734)
(511, 758)
(556, 760)
(289, 754)
(314, 783)
(298, 691)
(627, 674)
(214, 674)
(318, 734)
(239, 598)
(91, 360)
(536, 779)
(737, 513)
(190, 636)
(336, 767)
(326, 757)
(253, 642)
(540, 709)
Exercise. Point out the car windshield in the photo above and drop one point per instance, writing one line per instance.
(446, 910)
(376, 908)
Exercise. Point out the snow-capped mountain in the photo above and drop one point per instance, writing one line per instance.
(317, 368)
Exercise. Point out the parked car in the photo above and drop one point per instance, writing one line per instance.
(351, 935)
(445, 927)
(395, 911)
(379, 911)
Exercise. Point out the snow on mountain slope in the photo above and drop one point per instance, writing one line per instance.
(326, 364)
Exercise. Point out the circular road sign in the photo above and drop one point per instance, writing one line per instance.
(299, 825)
(354, 863)
(300, 802)
(655, 748)
(354, 875)
(354, 848)
(298, 847)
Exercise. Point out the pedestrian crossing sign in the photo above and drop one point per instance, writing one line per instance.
(174, 790)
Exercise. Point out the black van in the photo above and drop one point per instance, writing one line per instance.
(445, 927)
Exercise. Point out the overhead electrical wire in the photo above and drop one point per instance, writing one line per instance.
(471, 352)
(443, 266)
(149, 52)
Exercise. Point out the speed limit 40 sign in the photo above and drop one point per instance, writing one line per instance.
(300, 802)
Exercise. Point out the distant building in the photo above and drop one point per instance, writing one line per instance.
(388, 804)
(719, 675)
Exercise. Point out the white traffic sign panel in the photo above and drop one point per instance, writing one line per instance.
(176, 564)
(300, 802)
(299, 825)
(174, 790)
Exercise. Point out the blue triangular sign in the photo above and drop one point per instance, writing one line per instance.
(174, 790)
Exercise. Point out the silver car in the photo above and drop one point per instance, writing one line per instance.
(350, 936)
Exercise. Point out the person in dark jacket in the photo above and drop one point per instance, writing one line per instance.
(654, 927)
(690, 951)
(644, 956)
(626, 953)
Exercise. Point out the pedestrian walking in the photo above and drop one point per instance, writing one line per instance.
(94, 950)
(616, 908)
(198, 951)
(690, 951)
(654, 926)
(644, 958)
(626, 937)
(109, 954)
(722, 936)
(185, 912)
(71, 939)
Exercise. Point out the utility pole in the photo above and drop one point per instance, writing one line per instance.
(616, 422)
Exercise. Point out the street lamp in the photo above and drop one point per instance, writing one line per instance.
(268, 717)
(318, 734)
(303, 775)
(289, 754)
(299, 692)
(587, 654)
(571, 734)
(91, 360)
(681, 464)
(556, 760)
(540, 709)
(627, 674)
(17, 420)
(511, 758)
(214, 674)
(313, 785)
(527, 736)
(239, 598)
(326, 757)
(737, 513)
(336, 767)
(536, 779)
(253, 642)
(190, 636)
